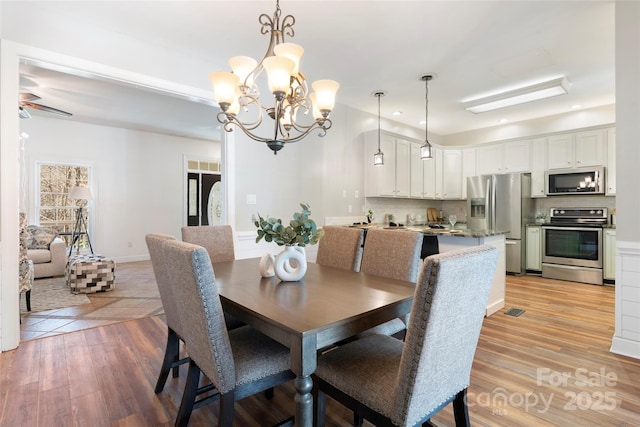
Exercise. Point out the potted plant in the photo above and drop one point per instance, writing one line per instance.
(300, 232)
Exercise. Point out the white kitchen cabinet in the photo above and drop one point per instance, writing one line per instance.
(429, 175)
(534, 248)
(576, 150)
(560, 151)
(538, 166)
(468, 168)
(610, 172)
(507, 157)
(417, 172)
(393, 178)
(609, 249)
(451, 175)
(489, 159)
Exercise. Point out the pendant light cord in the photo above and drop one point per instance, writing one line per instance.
(378, 95)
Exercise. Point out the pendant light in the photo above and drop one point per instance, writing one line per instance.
(378, 158)
(425, 149)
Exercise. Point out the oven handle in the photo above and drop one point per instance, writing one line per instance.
(551, 227)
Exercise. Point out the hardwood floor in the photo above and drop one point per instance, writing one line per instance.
(551, 366)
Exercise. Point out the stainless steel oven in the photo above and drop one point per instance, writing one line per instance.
(572, 245)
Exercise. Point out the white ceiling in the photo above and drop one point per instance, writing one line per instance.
(473, 48)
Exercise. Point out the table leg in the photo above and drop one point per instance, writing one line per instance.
(303, 364)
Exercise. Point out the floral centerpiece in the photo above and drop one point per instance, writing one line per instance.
(301, 230)
(290, 264)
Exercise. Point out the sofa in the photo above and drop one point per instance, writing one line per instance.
(47, 251)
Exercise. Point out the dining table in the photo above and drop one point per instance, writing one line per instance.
(325, 307)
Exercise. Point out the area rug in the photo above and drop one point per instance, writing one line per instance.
(51, 294)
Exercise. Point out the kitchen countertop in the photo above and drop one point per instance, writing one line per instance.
(425, 229)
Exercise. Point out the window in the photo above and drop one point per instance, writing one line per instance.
(53, 207)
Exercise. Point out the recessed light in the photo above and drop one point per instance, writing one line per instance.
(504, 120)
(397, 113)
(422, 122)
(576, 106)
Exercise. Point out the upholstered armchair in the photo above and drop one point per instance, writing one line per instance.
(47, 251)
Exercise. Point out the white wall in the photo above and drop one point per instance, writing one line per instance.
(137, 183)
(627, 334)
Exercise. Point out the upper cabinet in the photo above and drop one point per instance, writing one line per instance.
(468, 168)
(449, 177)
(393, 178)
(610, 172)
(576, 150)
(538, 166)
(506, 157)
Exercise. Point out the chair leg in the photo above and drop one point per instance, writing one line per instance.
(320, 406)
(171, 355)
(27, 296)
(357, 419)
(189, 395)
(460, 410)
(225, 418)
(268, 393)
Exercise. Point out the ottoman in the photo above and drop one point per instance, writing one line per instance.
(90, 273)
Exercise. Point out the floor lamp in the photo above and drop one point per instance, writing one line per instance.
(80, 228)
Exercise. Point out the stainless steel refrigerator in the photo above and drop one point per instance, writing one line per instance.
(502, 203)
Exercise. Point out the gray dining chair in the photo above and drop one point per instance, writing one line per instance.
(394, 254)
(172, 318)
(240, 362)
(391, 383)
(341, 247)
(216, 239)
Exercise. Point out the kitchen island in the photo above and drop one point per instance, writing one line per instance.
(449, 240)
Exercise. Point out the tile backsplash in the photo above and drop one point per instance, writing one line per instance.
(400, 208)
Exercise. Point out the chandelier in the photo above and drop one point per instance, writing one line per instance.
(295, 112)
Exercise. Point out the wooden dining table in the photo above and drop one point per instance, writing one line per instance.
(328, 305)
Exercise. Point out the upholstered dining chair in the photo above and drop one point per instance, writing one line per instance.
(392, 383)
(165, 289)
(240, 362)
(394, 254)
(216, 239)
(341, 247)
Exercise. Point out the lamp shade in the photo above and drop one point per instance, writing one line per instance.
(224, 86)
(293, 52)
(279, 69)
(242, 67)
(325, 94)
(80, 193)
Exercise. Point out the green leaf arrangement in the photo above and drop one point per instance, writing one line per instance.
(301, 230)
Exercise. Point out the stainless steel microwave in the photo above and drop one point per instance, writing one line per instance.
(575, 181)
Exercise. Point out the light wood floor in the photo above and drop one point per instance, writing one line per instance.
(551, 366)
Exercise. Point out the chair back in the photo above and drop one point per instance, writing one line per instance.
(446, 317)
(216, 239)
(165, 286)
(341, 247)
(392, 253)
(197, 296)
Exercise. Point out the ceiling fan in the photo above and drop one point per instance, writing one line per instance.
(26, 99)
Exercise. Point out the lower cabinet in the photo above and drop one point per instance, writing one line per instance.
(534, 248)
(609, 256)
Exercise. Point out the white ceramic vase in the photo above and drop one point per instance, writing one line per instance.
(291, 264)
